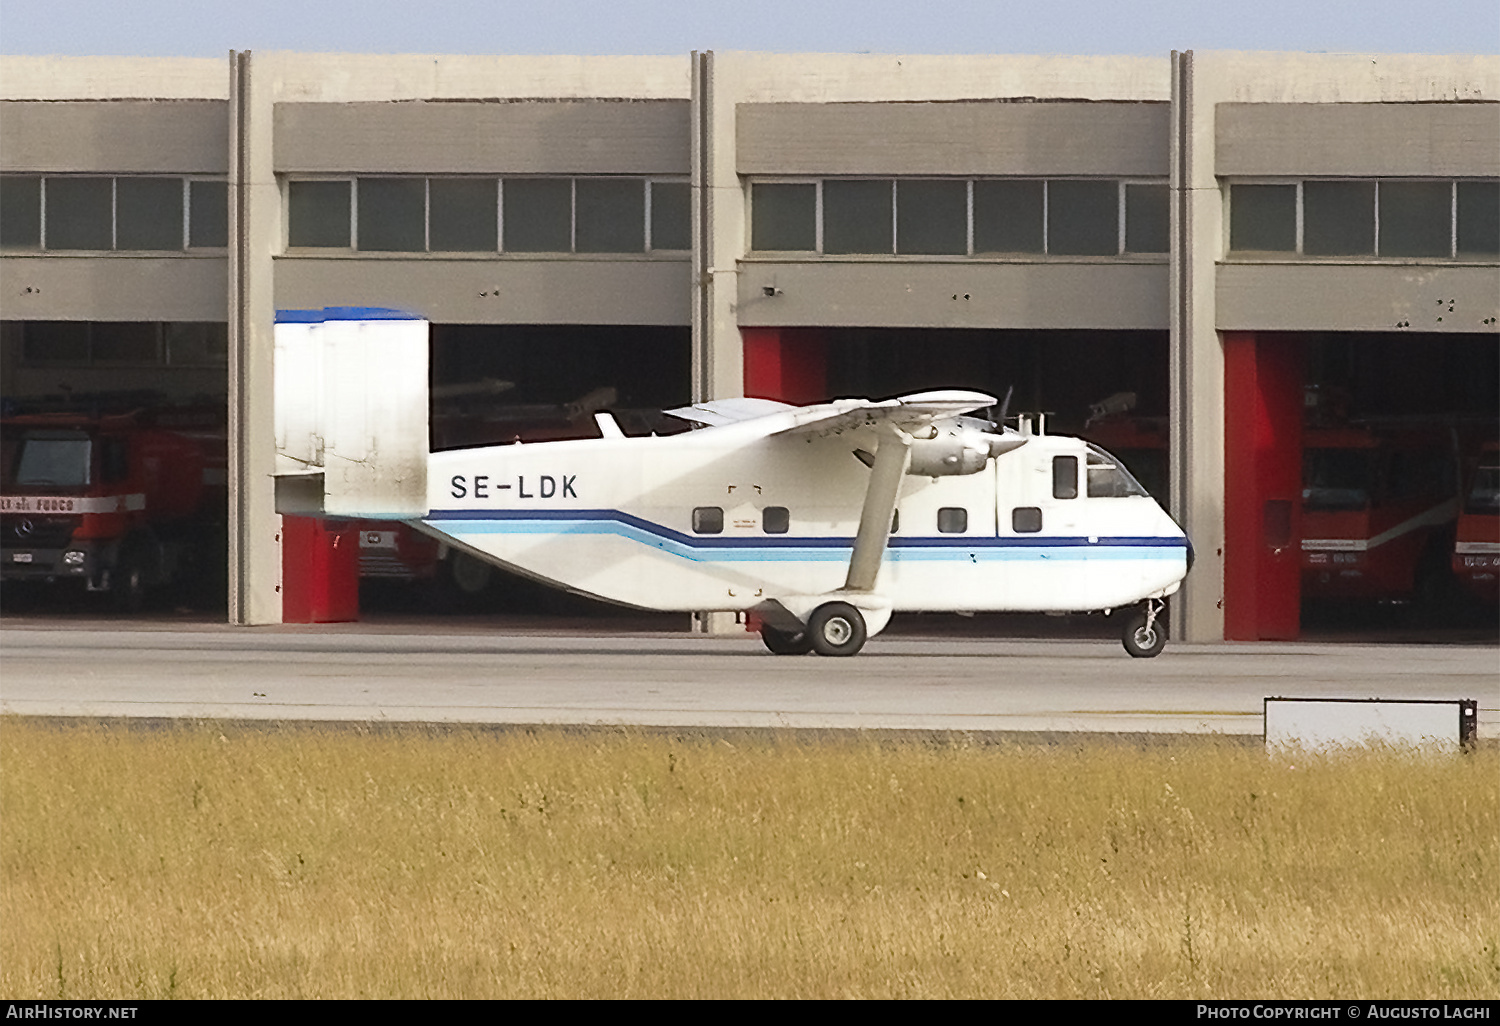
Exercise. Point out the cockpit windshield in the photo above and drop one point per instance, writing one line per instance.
(1108, 477)
(53, 459)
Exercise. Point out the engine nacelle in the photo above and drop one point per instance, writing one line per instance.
(958, 450)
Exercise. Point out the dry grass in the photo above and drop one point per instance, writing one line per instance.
(211, 861)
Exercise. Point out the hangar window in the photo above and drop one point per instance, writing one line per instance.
(538, 215)
(79, 213)
(318, 215)
(416, 214)
(1263, 218)
(708, 520)
(20, 211)
(953, 520)
(784, 216)
(960, 216)
(392, 214)
(1479, 218)
(1370, 218)
(610, 215)
(463, 215)
(671, 220)
(1026, 519)
(148, 213)
(1009, 217)
(932, 216)
(1083, 218)
(857, 216)
(208, 214)
(776, 520)
(1146, 218)
(1338, 218)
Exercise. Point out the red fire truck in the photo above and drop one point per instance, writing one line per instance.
(118, 503)
(1476, 552)
(1379, 507)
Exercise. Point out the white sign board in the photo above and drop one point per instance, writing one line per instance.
(1322, 724)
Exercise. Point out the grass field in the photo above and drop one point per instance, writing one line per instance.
(226, 861)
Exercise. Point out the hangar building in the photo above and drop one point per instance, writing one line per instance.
(1191, 257)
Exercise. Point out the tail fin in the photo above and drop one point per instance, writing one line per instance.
(351, 413)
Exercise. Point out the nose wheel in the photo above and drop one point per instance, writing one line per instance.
(1143, 635)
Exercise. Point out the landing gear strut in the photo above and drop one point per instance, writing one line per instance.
(1143, 636)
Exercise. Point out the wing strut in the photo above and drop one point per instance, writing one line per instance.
(892, 456)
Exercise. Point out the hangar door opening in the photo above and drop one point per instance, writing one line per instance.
(1360, 484)
(1107, 386)
(114, 494)
(497, 384)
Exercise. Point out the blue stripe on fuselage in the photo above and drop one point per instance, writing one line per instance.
(709, 548)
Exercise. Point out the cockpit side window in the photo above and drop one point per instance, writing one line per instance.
(1065, 477)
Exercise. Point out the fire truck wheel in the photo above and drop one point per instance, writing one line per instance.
(1143, 642)
(470, 576)
(837, 629)
(782, 643)
(128, 581)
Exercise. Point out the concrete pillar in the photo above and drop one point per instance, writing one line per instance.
(718, 239)
(254, 230)
(1196, 360)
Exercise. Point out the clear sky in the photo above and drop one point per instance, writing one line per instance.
(210, 28)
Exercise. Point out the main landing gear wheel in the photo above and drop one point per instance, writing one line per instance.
(836, 629)
(782, 643)
(1143, 636)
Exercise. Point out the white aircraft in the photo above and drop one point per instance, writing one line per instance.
(820, 520)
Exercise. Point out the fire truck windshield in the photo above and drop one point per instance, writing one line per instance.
(53, 459)
(1484, 496)
(1337, 479)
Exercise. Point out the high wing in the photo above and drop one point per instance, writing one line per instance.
(899, 424)
(909, 413)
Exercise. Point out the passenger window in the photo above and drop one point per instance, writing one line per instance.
(776, 519)
(1026, 519)
(708, 520)
(1065, 477)
(953, 520)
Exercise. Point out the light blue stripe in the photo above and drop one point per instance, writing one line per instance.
(789, 552)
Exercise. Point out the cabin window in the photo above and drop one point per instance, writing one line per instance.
(1108, 479)
(1065, 477)
(776, 519)
(1026, 519)
(708, 520)
(953, 520)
